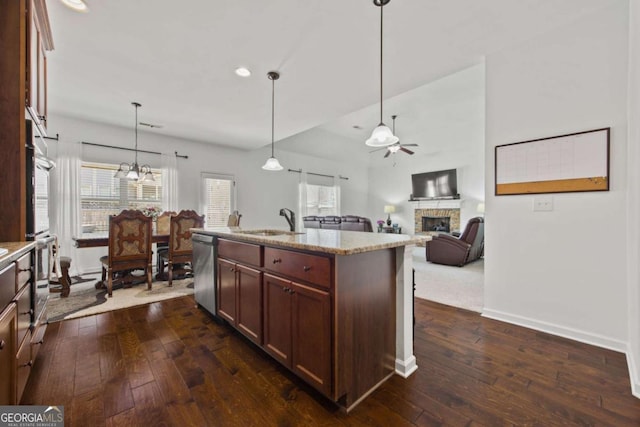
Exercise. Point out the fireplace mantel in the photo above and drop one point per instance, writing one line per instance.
(436, 204)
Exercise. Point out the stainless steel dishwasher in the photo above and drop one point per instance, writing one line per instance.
(204, 271)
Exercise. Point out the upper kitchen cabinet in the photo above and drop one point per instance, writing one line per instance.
(38, 43)
(25, 38)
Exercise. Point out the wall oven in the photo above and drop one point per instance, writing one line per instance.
(38, 167)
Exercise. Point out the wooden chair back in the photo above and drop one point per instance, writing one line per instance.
(234, 219)
(129, 240)
(164, 221)
(180, 244)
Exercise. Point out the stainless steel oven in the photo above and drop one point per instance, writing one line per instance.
(44, 258)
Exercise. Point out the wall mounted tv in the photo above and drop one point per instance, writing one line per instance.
(435, 185)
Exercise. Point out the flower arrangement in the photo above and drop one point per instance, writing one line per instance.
(152, 211)
(380, 222)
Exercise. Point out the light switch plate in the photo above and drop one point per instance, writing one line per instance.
(543, 203)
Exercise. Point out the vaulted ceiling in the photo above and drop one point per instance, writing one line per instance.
(178, 60)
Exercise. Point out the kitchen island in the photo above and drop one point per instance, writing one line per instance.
(334, 307)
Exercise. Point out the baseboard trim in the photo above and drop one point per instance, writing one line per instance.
(633, 374)
(562, 331)
(404, 368)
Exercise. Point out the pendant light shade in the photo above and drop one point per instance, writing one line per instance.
(381, 135)
(132, 171)
(272, 163)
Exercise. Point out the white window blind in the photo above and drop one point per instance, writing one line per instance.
(217, 198)
(321, 200)
(102, 195)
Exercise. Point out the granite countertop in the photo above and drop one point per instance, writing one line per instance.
(318, 240)
(16, 250)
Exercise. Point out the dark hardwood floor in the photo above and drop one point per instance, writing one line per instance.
(169, 364)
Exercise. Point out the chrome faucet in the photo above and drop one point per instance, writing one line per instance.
(291, 219)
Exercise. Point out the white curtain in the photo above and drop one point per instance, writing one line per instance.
(65, 219)
(336, 186)
(169, 182)
(302, 200)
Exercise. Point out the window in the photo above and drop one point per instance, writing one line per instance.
(102, 195)
(322, 200)
(217, 198)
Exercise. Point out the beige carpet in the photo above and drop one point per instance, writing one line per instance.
(85, 299)
(461, 287)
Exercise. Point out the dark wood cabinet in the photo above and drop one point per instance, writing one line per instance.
(249, 302)
(297, 325)
(240, 288)
(227, 290)
(277, 319)
(24, 39)
(8, 355)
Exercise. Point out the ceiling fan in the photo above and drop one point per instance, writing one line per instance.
(394, 148)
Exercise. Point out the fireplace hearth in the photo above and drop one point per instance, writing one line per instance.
(436, 223)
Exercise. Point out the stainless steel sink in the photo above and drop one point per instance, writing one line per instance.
(266, 232)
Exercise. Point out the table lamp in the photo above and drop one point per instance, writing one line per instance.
(389, 209)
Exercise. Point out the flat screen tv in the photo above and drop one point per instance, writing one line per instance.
(435, 185)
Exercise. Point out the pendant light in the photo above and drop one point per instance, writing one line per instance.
(381, 135)
(133, 171)
(272, 163)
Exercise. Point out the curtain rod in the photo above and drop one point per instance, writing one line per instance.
(317, 174)
(130, 149)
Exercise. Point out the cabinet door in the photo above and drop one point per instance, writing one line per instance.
(227, 290)
(277, 318)
(249, 313)
(8, 349)
(311, 319)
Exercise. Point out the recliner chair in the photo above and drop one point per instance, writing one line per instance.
(448, 250)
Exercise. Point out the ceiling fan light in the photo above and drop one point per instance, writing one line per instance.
(382, 137)
(394, 148)
(77, 5)
(272, 164)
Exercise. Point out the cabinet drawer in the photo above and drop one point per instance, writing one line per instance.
(312, 268)
(23, 299)
(7, 285)
(8, 355)
(23, 274)
(245, 253)
(24, 367)
(37, 336)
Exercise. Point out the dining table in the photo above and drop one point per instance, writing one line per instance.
(94, 240)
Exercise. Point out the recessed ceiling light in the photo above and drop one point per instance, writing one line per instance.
(77, 5)
(357, 127)
(243, 72)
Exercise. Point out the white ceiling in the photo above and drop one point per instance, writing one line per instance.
(177, 58)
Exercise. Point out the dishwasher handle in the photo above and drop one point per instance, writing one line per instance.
(202, 238)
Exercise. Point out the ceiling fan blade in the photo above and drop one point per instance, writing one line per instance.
(387, 155)
(409, 145)
(406, 151)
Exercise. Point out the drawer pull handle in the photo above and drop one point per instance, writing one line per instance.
(232, 270)
(291, 291)
(2, 344)
(29, 363)
(306, 268)
(40, 342)
(24, 270)
(285, 289)
(277, 260)
(30, 312)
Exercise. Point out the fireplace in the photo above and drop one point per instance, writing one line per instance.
(451, 217)
(436, 223)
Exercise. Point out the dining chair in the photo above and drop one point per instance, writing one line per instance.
(162, 228)
(234, 219)
(129, 248)
(179, 256)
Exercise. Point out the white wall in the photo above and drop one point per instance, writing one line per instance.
(562, 271)
(260, 194)
(458, 125)
(633, 228)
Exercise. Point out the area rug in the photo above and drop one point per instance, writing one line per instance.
(85, 299)
(461, 287)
